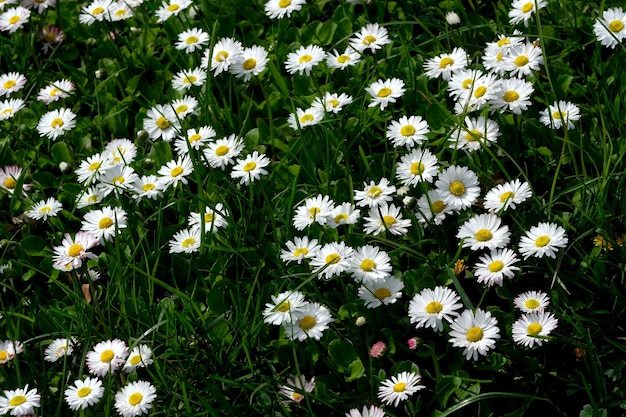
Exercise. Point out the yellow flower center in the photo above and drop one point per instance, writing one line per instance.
(172, 8)
(542, 241)
(382, 293)
(534, 329)
(297, 397)
(510, 96)
(10, 83)
(7, 111)
(221, 150)
(135, 360)
(188, 242)
(374, 192)
(527, 7)
(399, 387)
(307, 322)
(97, 10)
(342, 59)
(284, 306)
(105, 223)
(467, 83)
(389, 220)
(54, 92)
(284, 3)
(191, 40)
(521, 60)
(496, 266)
(75, 250)
(445, 62)
(306, 118)
(368, 265)
(558, 115)
(457, 188)
(136, 397)
(92, 198)
(162, 123)
(194, 138)
(181, 109)
(147, 187)
(407, 130)
(120, 12)
(384, 92)
(3, 355)
(249, 64)
(45, 210)
(57, 122)
(499, 56)
(434, 307)
(503, 42)
(190, 79)
(313, 211)
(176, 171)
(616, 26)
(221, 56)
(300, 252)
(474, 334)
(368, 40)
(333, 102)
(341, 217)
(480, 91)
(506, 196)
(305, 58)
(532, 304)
(333, 258)
(208, 217)
(107, 355)
(94, 166)
(417, 168)
(10, 183)
(438, 206)
(118, 180)
(83, 392)
(483, 235)
(249, 166)
(473, 135)
(17, 400)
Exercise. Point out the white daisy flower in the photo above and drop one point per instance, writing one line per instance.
(9, 348)
(147, 186)
(175, 171)
(185, 241)
(532, 301)
(309, 322)
(372, 36)
(106, 357)
(533, 328)
(118, 179)
(105, 223)
(214, 218)
(399, 388)
(431, 306)
(315, 210)
(375, 194)
(161, 123)
(445, 64)
(72, 251)
(507, 195)
(522, 10)
(44, 209)
(461, 82)
(55, 91)
(171, 8)
(560, 113)
(484, 231)
(226, 51)
(96, 11)
(89, 197)
(432, 208)
(337, 60)
(344, 213)
(543, 239)
(9, 177)
(58, 349)
(514, 95)
(371, 411)
(493, 60)
(369, 264)
(192, 39)
(185, 106)
(195, 139)
(386, 217)
(385, 291)
(140, 357)
(304, 59)
(458, 187)
(90, 170)
(476, 333)
(299, 249)
(185, 79)
(418, 166)
(332, 102)
(294, 389)
(119, 11)
(483, 90)
(11, 82)
(122, 151)
(408, 131)
(386, 91)
(523, 59)
(19, 402)
(252, 61)
(56, 123)
(277, 9)
(223, 152)
(476, 133)
(135, 398)
(493, 268)
(84, 393)
(305, 117)
(283, 307)
(332, 259)
(14, 19)
(9, 107)
(610, 29)
(250, 168)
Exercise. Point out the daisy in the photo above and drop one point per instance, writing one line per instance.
(20, 401)
(97, 10)
(225, 52)
(161, 123)
(514, 95)
(184, 80)
(532, 301)
(369, 264)
(344, 213)
(14, 19)
(135, 398)
(184, 106)
(484, 231)
(91, 169)
(399, 388)
(461, 82)
(374, 194)
(186, 240)
(305, 117)
(445, 64)
(119, 11)
(9, 107)
(9, 177)
(106, 357)
(533, 328)
(294, 389)
(476, 133)
(299, 249)
(458, 187)
(8, 349)
(418, 166)
(385, 291)
(560, 113)
(277, 9)
(483, 90)
(493, 60)
(432, 208)
(39, 5)
(386, 91)
(431, 306)
(332, 259)
(223, 152)
(332, 102)
(372, 36)
(213, 219)
(72, 251)
(122, 151)
(310, 322)
(493, 268)
(84, 393)
(252, 61)
(56, 123)
(371, 411)
(147, 186)
(523, 59)
(304, 59)
(44, 209)
(250, 169)
(105, 223)
(140, 357)
(118, 179)
(610, 29)
(195, 139)
(175, 171)
(337, 60)
(507, 195)
(543, 239)
(90, 196)
(522, 10)
(58, 349)
(49, 36)
(11, 82)
(171, 8)
(4, 3)
(192, 39)
(408, 131)
(315, 210)
(283, 307)
(386, 217)
(476, 333)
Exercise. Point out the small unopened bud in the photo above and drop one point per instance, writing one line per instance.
(378, 349)
(148, 163)
(100, 73)
(452, 18)
(65, 167)
(360, 321)
(142, 135)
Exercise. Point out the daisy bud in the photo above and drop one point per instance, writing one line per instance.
(452, 18)
(378, 349)
(65, 168)
(361, 321)
(100, 73)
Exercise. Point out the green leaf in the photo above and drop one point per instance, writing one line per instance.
(355, 370)
(342, 353)
(61, 153)
(445, 387)
(561, 86)
(34, 245)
